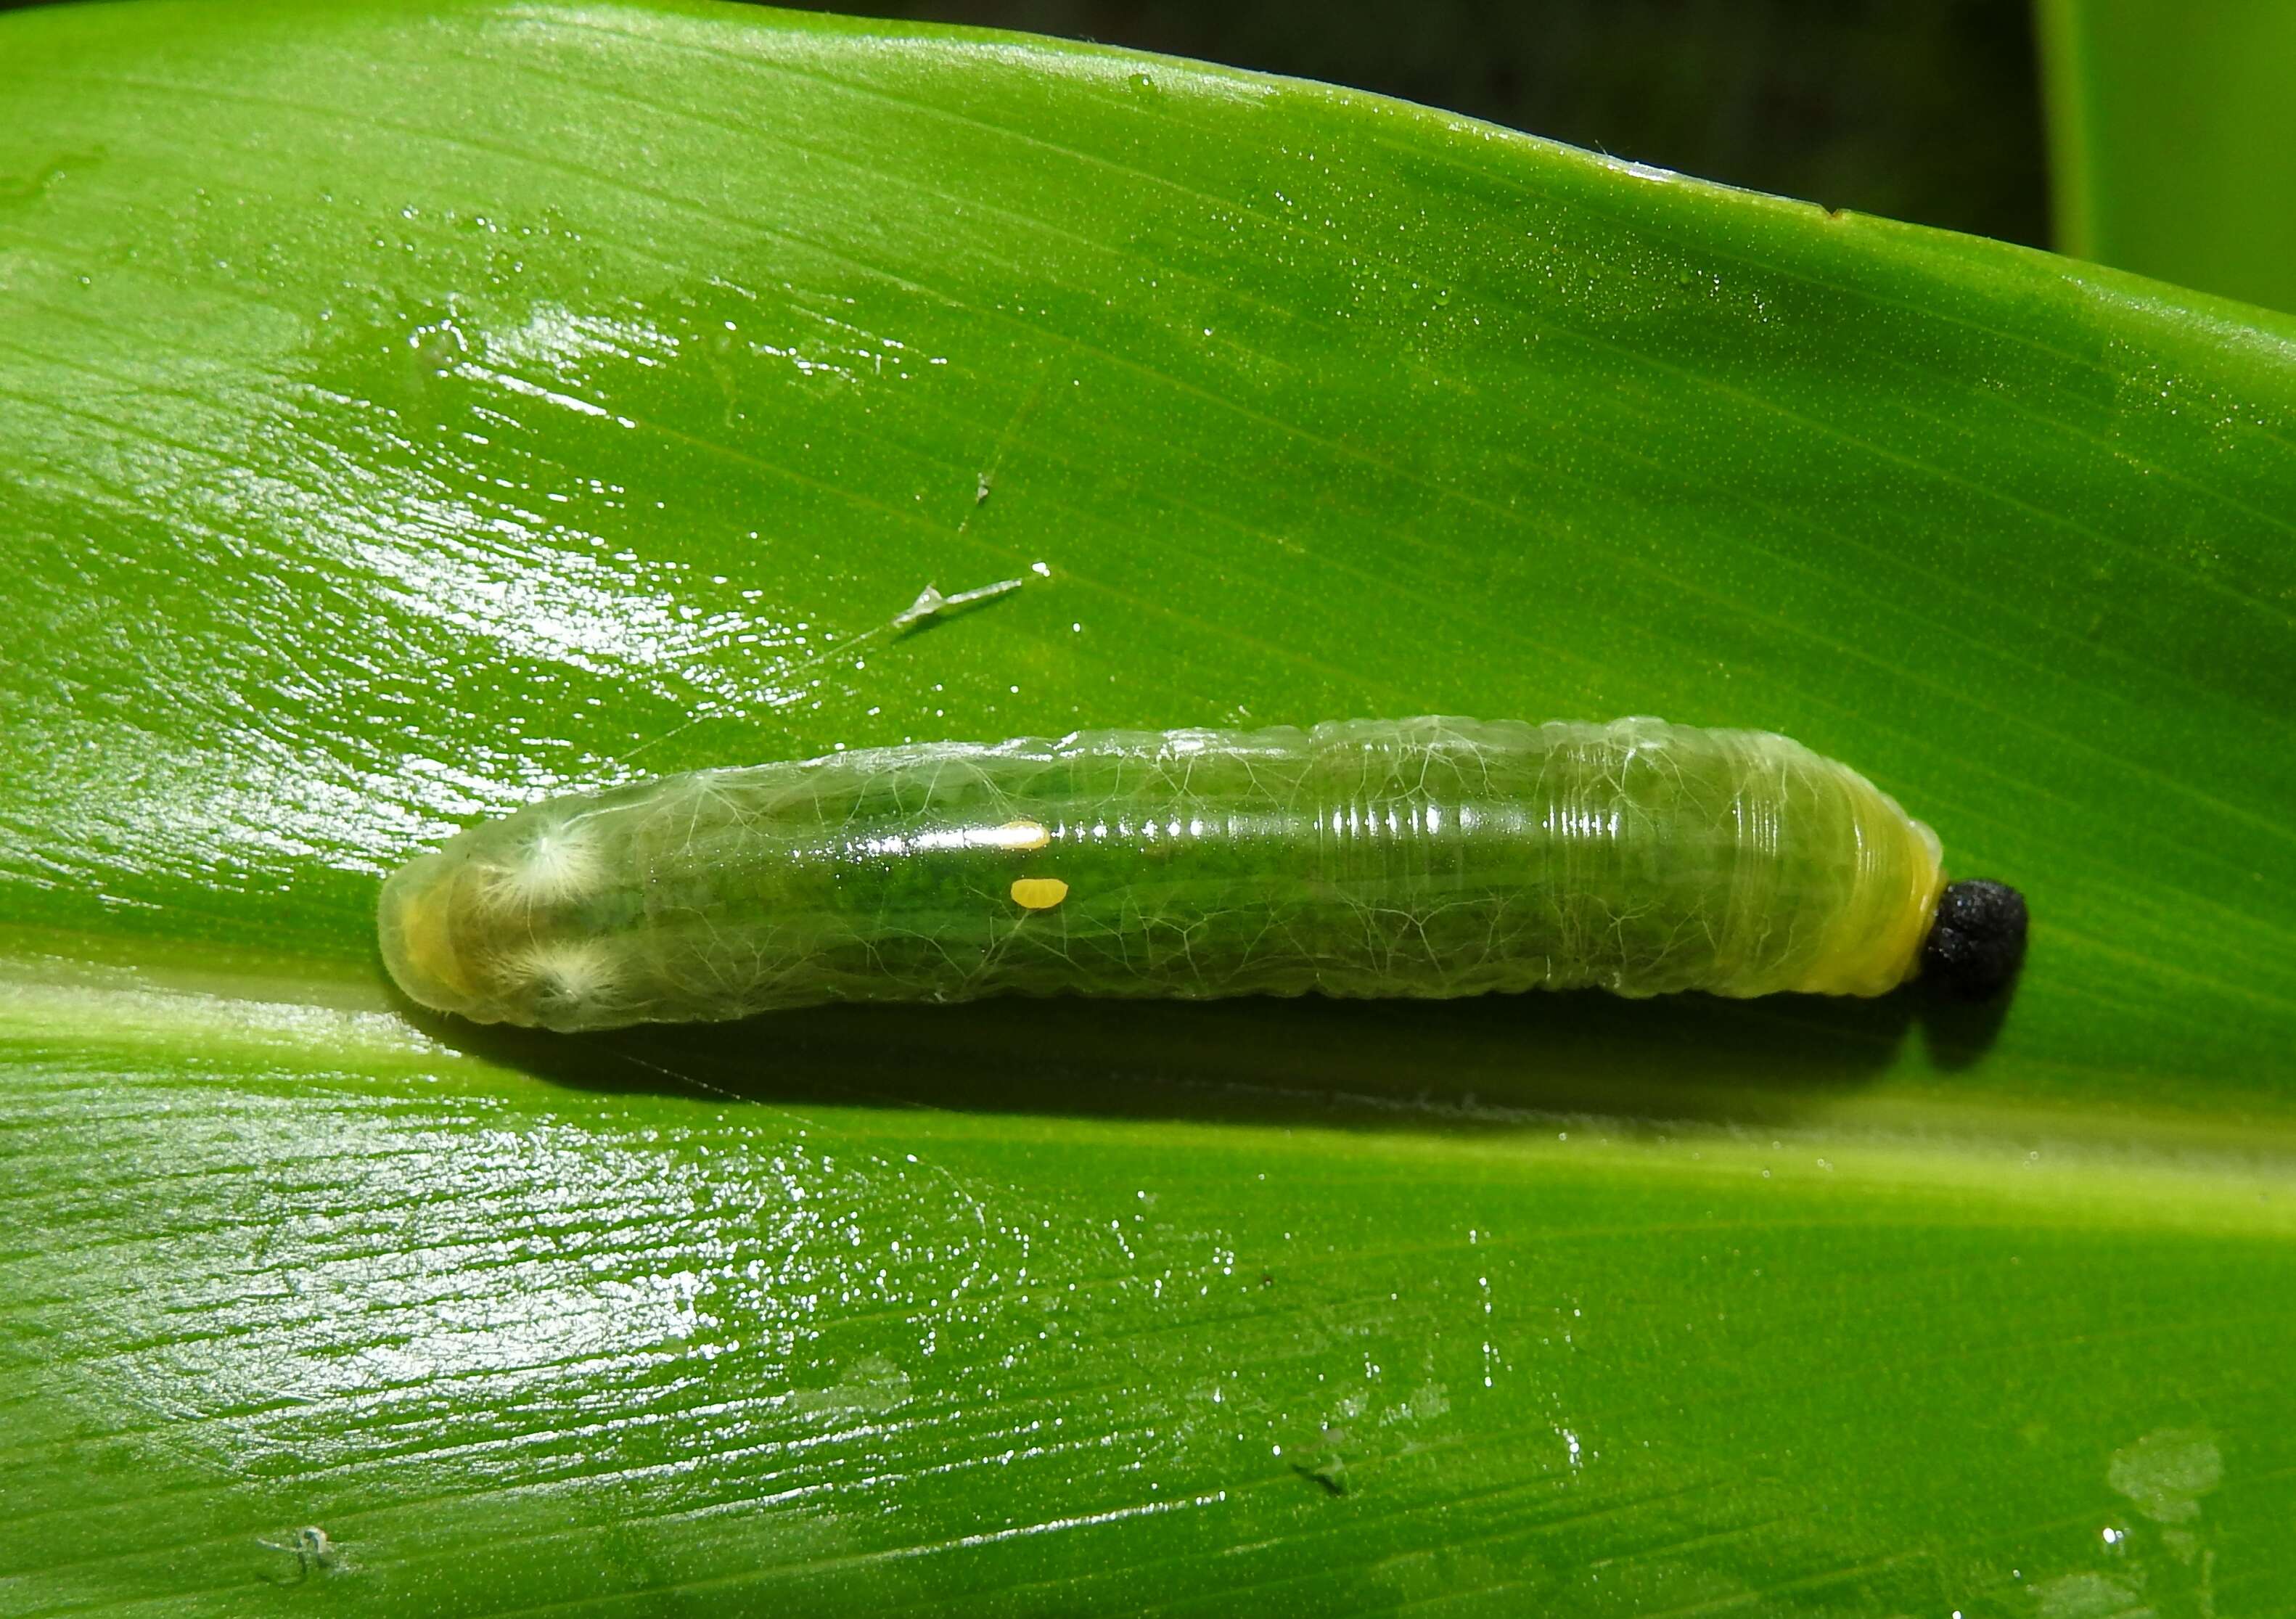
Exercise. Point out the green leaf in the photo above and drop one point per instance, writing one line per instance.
(2172, 151)
(408, 409)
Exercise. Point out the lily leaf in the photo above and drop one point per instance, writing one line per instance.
(408, 409)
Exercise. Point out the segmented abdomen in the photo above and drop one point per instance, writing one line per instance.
(1424, 856)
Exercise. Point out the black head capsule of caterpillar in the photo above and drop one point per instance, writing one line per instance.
(1976, 939)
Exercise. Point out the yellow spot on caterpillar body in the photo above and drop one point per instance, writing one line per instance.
(1038, 894)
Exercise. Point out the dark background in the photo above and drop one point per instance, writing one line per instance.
(1923, 110)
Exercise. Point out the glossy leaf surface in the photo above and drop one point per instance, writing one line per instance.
(406, 410)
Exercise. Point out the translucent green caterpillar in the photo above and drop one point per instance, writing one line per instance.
(1372, 858)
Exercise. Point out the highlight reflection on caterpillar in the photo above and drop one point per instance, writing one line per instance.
(1429, 857)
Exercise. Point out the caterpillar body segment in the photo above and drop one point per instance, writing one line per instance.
(1429, 857)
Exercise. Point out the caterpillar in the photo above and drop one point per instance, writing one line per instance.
(1429, 857)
